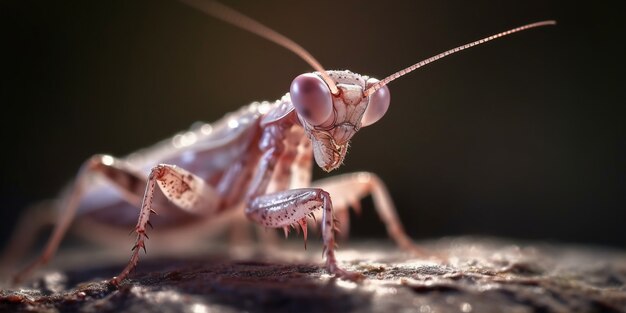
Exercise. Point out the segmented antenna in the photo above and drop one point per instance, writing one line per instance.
(233, 17)
(415, 66)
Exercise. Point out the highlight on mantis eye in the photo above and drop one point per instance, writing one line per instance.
(312, 98)
(379, 103)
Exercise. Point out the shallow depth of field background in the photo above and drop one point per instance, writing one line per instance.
(521, 138)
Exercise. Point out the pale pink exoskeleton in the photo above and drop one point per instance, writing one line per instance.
(258, 159)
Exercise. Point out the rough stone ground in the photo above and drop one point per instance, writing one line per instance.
(478, 275)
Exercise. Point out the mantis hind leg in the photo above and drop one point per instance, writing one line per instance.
(30, 224)
(348, 190)
(115, 170)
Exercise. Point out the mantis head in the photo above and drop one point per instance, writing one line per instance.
(330, 120)
(333, 105)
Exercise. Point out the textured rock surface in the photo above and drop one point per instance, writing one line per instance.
(478, 275)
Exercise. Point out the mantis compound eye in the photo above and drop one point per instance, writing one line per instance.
(312, 98)
(379, 103)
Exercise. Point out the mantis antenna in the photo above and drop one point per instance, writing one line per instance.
(417, 65)
(233, 17)
(240, 20)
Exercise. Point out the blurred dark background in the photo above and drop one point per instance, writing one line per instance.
(522, 137)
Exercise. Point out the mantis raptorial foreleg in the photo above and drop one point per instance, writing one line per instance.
(185, 190)
(284, 209)
(292, 171)
(288, 208)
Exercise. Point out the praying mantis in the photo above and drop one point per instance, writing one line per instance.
(256, 160)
